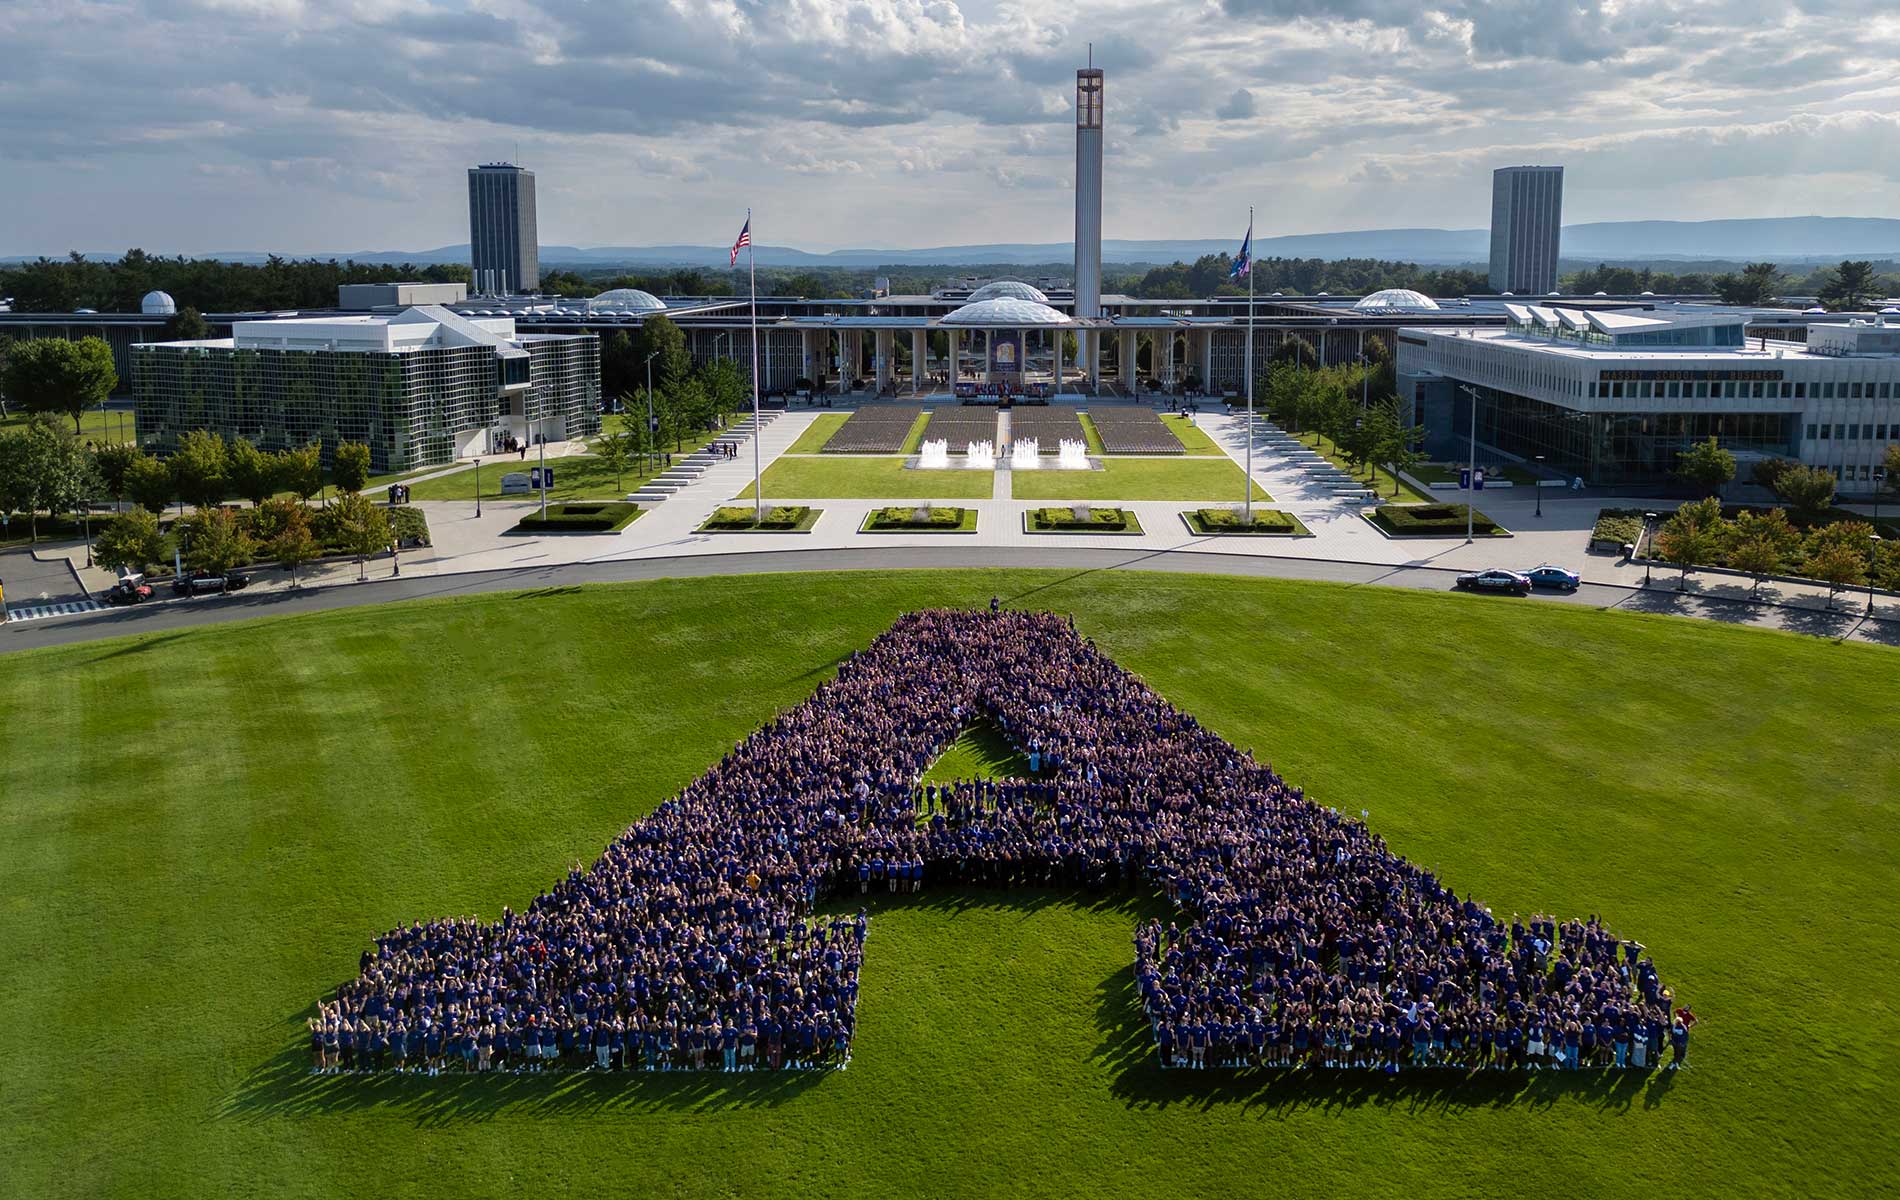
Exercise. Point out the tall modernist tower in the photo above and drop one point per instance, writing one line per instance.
(1088, 193)
(1527, 211)
(503, 246)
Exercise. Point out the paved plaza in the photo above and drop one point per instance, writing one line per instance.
(465, 543)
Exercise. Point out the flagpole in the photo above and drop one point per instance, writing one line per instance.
(1247, 504)
(752, 267)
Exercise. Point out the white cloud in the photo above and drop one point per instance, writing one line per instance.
(286, 125)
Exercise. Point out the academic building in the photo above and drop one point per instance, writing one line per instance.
(1616, 396)
(420, 387)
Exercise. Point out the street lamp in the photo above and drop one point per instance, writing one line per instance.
(88, 512)
(1472, 467)
(652, 425)
(1873, 568)
(1538, 483)
(478, 487)
(1649, 518)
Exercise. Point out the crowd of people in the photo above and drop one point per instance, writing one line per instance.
(696, 940)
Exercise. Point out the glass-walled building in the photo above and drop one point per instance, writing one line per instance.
(1616, 397)
(419, 388)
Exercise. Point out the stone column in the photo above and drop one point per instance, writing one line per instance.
(1059, 334)
(919, 352)
(1094, 360)
(1207, 360)
(956, 355)
(885, 345)
(1129, 374)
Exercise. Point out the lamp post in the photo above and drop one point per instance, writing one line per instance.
(1472, 466)
(1649, 519)
(478, 487)
(1538, 483)
(1873, 568)
(88, 512)
(652, 425)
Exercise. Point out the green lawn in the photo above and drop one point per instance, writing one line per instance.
(113, 425)
(1138, 479)
(1378, 478)
(1450, 473)
(1091, 435)
(980, 752)
(1193, 438)
(818, 433)
(202, 829)
(576, 477)
(861, 477)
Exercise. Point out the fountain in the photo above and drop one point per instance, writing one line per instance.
(1022, 455)
(982, 456)
(934, 455)
(1074, 456)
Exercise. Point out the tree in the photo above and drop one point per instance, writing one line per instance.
(1757, 284)
(685, 410)
(292, 544)
(727, 390)
(1849, 287)
(672, 363)
(201, 467)
(1285, 389)
(52, 375)
(617, 450)
(1838, 555)
(362, 528)
(187, 325)
(1891, 465)
(1707, 465)
(1400, 442)
(252, 473)
(1760, 543)
(301, 470)
(149, 482)
(1767, 471)
(43, 469)
(1689, 537)
(214, 542)
(110, 464)
(1809, 491)
(351, 468)
(129, 542)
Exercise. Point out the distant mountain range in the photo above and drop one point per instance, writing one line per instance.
(1784, 239)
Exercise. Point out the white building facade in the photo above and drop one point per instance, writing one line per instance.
(1615, 398)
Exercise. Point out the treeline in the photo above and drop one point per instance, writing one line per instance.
(1211, 275)
(1847, 286)
(208, 285)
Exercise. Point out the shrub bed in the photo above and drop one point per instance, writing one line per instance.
(1082, 519)
(576, 517)
(1617, 526)
(782, 518)
(1266, 522)
(410, 526)
(1433, 520)
(919, 519)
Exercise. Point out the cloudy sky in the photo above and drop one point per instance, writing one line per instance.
(336, 125)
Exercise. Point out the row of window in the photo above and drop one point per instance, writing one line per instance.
(1673, 390)
(1851, 433)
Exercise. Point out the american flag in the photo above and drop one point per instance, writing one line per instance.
(745, 239)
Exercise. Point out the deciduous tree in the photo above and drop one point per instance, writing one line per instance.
(214, 541)
(252, 473)
(1707, 465)
(53, 375)
(43, 469)
(1809, 491)
(1761, 543)
(129, 542)
(200, 468)
(292, 544)
(1689, 537)
(149, 482)
(351, 468)
(112, 463)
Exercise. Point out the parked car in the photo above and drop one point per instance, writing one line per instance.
(1496, 580)
(1549, 575)
(204, 583)
(132, 589)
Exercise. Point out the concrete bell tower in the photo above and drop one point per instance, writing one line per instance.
(1088, 193)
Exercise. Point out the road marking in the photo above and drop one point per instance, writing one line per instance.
(40, 612)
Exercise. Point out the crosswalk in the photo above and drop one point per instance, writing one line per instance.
(40, 612)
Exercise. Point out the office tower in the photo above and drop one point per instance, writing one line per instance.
(503, 249)
(1527, 206)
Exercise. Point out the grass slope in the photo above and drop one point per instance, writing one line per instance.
(1138, 479)
(818, 433)
(203, 828)
(1193, 438)
(980, 752)
(840, 477)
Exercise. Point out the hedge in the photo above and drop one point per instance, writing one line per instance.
(778, 519)
(1226, 520)
(1440, 520)
(906, 517)
(1100, 520)
(592, 517)
(1620, 525)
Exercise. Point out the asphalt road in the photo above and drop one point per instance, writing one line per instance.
(211, 610)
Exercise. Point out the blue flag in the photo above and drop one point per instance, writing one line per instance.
(1243, 262)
